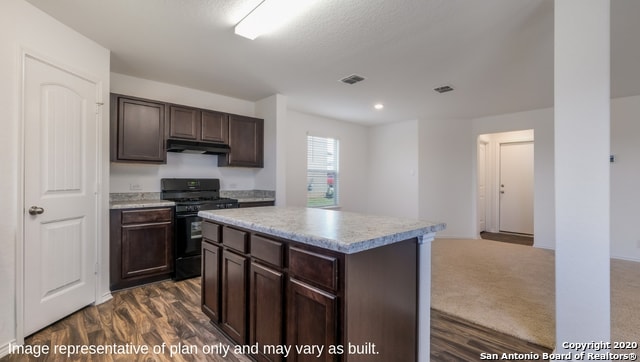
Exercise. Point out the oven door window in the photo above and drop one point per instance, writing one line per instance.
(188, 236)
(196, 230)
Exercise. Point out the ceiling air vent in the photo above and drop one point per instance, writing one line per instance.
(443, 89)
(352, 79)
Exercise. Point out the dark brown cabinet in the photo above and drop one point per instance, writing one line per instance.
(137, 130)
(215, 127)
(311, 319)
(211, 255)
(266, 313)
(234, 296)
(141, 127)
(197, 124)
(141, 246)
(266, 295)
(304, 295)
(246, 139)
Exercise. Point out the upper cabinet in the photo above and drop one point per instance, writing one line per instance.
(140, 129)
(215, 126)
(197, 124)
(246, 139)
(183, 123)
(137, 130)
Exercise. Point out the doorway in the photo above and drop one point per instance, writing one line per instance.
(505, 187)
(60, 192)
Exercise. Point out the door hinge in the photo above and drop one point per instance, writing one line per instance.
(95, 270)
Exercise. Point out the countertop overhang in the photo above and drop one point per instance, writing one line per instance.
(341, 231)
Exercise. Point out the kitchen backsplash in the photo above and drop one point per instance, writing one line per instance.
(132, 196)
(234, 194)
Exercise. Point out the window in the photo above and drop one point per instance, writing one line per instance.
(322, 172)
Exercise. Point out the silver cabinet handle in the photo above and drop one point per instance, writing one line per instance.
(35, 210)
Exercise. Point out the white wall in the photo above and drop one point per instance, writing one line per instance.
(24, 27)
(147, 177)
(273, 110)
(394, 170)
(541, 122)
(446, 150)
(625, 178)
(352, 164)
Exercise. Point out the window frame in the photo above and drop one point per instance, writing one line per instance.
(329, 165)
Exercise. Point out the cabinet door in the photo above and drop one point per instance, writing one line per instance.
(246, 141)
(311, 319)
(146, 249)
(214, 127)
(137, 130)
(266, 309)
(211, 281)
(234, 296)
(184, 123)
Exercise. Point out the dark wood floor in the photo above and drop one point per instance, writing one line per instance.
(521, 239)
(169, 312)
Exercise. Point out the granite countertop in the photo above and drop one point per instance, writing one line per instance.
(345, 232)
(133, 204)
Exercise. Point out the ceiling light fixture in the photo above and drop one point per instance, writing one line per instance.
(269, 15)
(378, 106)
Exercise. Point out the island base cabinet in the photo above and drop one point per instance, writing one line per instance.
(234, 296)
(211, 274)
(266, 310)
(381, 308)
(279, 292)
(311, 320)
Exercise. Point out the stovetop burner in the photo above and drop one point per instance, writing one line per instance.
(193, 195)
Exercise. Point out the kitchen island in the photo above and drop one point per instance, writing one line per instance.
(340, 286)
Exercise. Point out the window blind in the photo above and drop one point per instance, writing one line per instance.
(322, 172)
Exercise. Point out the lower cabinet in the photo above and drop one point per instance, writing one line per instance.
(234, 296)
(211, 255)
(141, 248)
(266, 310)
(276, 292)
(311, 319)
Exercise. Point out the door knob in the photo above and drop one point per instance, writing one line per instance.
(35, 210)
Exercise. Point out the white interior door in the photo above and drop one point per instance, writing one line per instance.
(59, 193)
(516, 187)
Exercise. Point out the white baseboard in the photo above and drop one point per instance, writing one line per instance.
(104, 298)
(5, 349)
(625, 258)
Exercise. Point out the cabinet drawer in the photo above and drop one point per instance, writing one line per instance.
(319, 269)
(146, 216)
(235, 239)
(267, 250)
(211, 231)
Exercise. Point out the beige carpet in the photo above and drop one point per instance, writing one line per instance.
(511, 288)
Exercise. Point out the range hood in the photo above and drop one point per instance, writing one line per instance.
(211, 148)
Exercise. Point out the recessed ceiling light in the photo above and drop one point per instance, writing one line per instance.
(378, 106)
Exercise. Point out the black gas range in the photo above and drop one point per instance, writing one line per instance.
(191, 196)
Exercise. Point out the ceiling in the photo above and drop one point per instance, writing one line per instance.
(497, 54)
